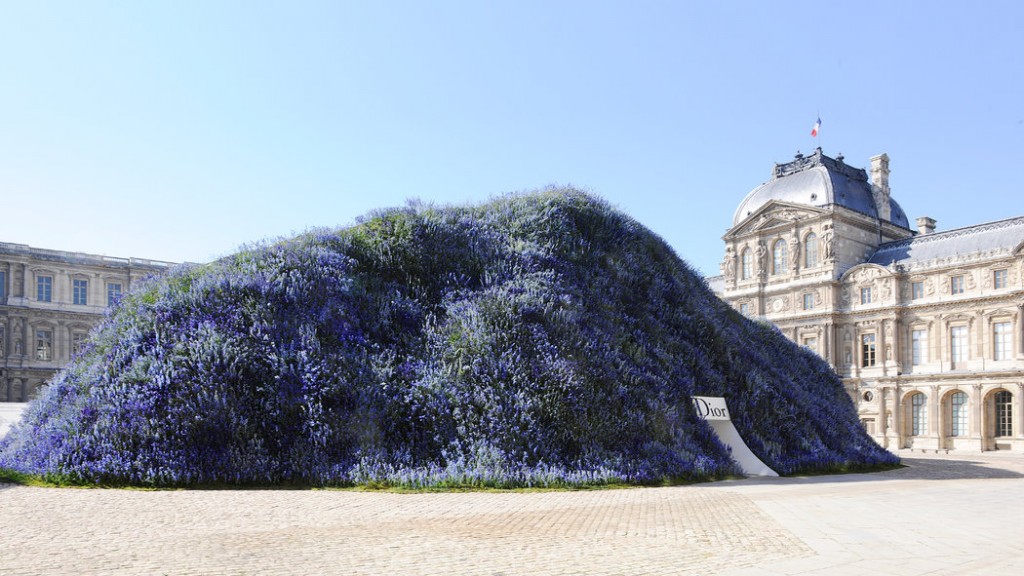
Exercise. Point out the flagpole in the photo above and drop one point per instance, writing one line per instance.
(821, 141)
(816, 131)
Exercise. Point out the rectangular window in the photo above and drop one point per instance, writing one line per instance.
(1004, 413)
(917, 290)
(999, 278)
(867, 349)
(808, 301)
(918, 347)
(956, 285)
(958, 344)
(44, 345)
(77, 340)
(80, 292)
(958, 416)
(865, 295)
(919, 415)
(113, 293)
(3, 285)
(745, 309)
(44, 288)
(1002, 341)
(811, 342)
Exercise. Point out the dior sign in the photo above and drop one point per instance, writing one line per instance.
(711, 408)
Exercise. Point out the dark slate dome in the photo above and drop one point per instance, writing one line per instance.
(818, 181)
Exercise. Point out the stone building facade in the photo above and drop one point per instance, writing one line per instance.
(49, 301)
(925, 328)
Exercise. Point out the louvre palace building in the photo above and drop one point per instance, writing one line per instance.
(923, 326)
(49, 301)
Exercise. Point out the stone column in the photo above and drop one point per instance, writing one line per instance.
(883, 424)
(897, 416)
(977, 418)
(935, 409)
(1020, 331)
(21, 289)
(826, 344)
(1018, 411)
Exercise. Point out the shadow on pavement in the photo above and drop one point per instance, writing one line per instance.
(965, 467)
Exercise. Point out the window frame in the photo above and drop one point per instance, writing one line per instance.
(1000, 278)
(79, 292)
(865, 295)
(956, 284)
(808, 301)
(916, 290)
(780, 257)
(1002, 340)
(44, 287)
(44, 345)
(114, 296)
(918, 414)
(959, 344)
(746, 264)
(811, 258)
(868, 350)
(78, 338)
(1002, 401)
(959, 407)
(918, 346)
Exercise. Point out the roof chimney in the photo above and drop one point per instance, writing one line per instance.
(925, 225)
(880, 185)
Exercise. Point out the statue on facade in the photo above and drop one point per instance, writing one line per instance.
(762, 255)
(794, 250)
(729, 264)
(828, 240)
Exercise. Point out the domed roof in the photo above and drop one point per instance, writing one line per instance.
(818, 181)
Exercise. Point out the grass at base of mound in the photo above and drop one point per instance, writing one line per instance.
(8, 476)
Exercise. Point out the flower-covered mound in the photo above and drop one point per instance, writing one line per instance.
(540, 339)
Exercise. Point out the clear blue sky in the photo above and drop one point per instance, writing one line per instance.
(183, 130)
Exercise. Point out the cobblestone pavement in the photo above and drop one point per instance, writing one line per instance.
(940, 515)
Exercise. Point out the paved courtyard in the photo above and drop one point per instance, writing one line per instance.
(940, 515)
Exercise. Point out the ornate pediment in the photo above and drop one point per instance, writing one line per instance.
(864, 274)
(772, 215)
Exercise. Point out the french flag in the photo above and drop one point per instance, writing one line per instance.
(817, 126)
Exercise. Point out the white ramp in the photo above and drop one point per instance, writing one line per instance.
(716, 413)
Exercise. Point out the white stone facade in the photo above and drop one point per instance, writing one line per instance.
(925, 327)
(49, 301)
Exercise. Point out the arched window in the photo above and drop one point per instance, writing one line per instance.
(958, 414)
(811, 250)
(747, 264)
(779, 257)
(1004, 413)
(918, 414)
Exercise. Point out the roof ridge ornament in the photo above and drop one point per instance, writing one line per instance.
(801, 163)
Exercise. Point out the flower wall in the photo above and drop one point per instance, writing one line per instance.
(540, 339)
